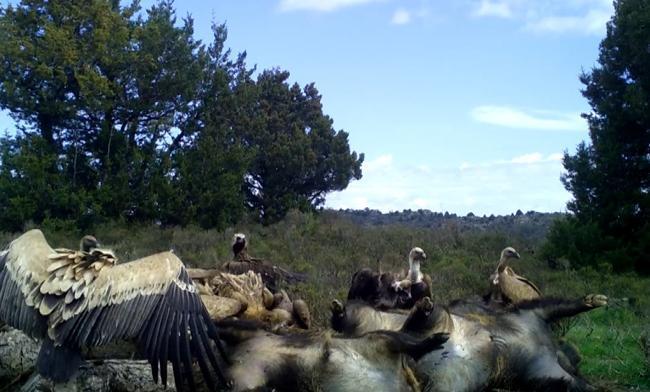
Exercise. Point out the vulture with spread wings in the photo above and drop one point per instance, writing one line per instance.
(74, 301)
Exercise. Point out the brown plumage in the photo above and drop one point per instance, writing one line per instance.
(240, 247)
(507, 285)
(75, 302)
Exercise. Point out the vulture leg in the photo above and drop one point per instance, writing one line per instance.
(57, 363)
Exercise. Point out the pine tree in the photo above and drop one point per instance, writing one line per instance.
(610, 177)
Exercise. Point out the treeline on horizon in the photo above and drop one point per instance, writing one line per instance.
(124, 115)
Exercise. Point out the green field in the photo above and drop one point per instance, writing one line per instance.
(329, 249)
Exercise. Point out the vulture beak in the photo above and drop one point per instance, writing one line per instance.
(517, 255)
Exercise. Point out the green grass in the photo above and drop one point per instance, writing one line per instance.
(610, 344)
(330, 249)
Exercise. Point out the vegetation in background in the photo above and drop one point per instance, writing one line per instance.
(330, 248)
(125, 115)
(610, 178)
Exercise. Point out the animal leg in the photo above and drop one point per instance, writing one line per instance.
(546, 374)
(337, 320)
(416, 348)
(418, 319)
(557, 309)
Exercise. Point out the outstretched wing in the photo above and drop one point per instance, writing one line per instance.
(153, 301)
(23, 268)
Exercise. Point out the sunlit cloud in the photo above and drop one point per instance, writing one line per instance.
(319, 5)
(379, 163)
(499, 9)
(528, 181)
(550, 16)
(511, 117)
(401, 17)
(525, 159)
(593, 22)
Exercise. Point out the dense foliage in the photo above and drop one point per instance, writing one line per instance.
(125, 115)
(610, 178)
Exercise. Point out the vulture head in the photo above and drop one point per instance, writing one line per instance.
(417, 254)
(88, 243)
(506, 254)
(509, 253)
(238, 243)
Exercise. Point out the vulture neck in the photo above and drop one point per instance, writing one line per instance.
(414, 275)
(502, 264)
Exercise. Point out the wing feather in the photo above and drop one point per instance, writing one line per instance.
(23, 267)
(529, 283)
(153, 301)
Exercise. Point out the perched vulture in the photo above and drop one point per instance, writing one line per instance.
(507, 285)
(243, 262)
(420, 283)
(384, 290)
(239, 247)
(77, 301)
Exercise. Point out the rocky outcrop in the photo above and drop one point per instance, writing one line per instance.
(18, 354)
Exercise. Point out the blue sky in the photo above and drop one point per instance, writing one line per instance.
(458, 106)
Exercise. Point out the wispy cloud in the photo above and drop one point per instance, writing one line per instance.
(319, 5)
(533, 158)
(528, 182)
(379, 163)
(511, 117)
(499, 9)
(593, 22)
(550, 16)
(401, 17)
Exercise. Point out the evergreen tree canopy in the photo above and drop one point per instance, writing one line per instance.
(124, 115)
(610, 177)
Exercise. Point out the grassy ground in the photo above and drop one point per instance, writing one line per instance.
(331, 249)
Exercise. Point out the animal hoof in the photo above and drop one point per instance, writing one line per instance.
(595, 300)
(425, 304)
(337, 307)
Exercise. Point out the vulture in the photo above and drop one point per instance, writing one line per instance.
(71, 299)
(243, 262)
(420, 282)
(239, 247)
(507, 285)
(384, 290)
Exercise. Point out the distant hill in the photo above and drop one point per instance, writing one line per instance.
(530, 225)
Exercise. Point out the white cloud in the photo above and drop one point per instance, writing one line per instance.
(319, 5)
(379, 163)
(528, 158)
(528, 182)
(401, 17)
(550, 16)
(499, 9)
(593, 22)
(533, 158)
(511, 117)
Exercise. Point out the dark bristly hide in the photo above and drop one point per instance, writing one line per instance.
(377, 361)
(488, 348)
(151, 301)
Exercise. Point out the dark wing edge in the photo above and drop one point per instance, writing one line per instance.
(13, 309)
(169, 325)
